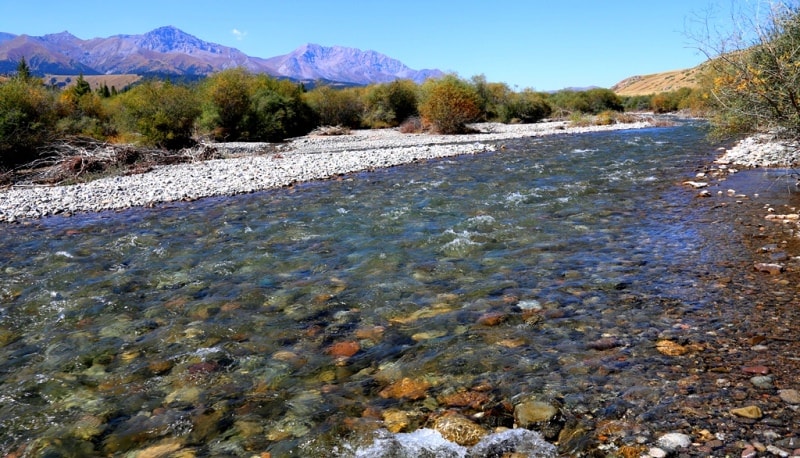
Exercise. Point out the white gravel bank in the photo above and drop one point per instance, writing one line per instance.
(303, 159)
(762, 151)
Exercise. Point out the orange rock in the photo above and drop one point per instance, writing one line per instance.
(344, 349)
(492, 318)
(374, 333)
(670, 348)
(470, 399)
(406, 388)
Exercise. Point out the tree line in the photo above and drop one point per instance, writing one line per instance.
(236, 105)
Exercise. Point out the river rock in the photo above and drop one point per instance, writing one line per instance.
(762, 381)
(673, 441)
(768, 267)
(460, 430)
(395, 420)
(752, 412)
(406, 388)
(670, 348)
(529, 413)
(789, 396)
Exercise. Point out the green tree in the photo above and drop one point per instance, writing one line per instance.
(161, 114)
(336, 107)
(81, 86)
(448, 104)
(227, 96)
(527, 106)
(27, 119)
(389, 104)
(23, 70)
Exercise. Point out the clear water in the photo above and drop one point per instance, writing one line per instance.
(210, 325)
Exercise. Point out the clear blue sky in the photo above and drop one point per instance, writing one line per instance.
(541, 44)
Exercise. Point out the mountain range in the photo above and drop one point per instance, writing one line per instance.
(171, 51)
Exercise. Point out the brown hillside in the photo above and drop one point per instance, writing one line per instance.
(657, 82)
(119, 82)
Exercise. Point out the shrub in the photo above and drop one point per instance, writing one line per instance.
(755, 85)
(527, 106)
(27, 119)
(227, 102)
(336, 107)
(449, 104)
(274, 116)
(591, 101)
(388, 105)
(239, 105)
(161, 113)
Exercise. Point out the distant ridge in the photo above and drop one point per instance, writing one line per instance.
(171, 51)
(658, 82)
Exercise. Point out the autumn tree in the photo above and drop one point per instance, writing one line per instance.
(389, 104)
(448, 104)
(159, 114)
(754, 82)
(336, 107)
(27, 118)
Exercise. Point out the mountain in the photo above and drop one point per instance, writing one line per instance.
(170, 51)
(657, 82)
(337, 63)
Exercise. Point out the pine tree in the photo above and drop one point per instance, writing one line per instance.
(23, 70)
(81, 86)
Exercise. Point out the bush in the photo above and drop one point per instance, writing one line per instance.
(527, 106)
(274, 116)
(336, 107)
(160, 113)
(449, 104)
(755, 86)
(227, 103)
(592, 101)
(240, 106)
(27, 119)
(388, 105)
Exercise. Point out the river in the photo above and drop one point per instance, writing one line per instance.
(305, 319)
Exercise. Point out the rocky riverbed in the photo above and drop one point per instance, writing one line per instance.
(302, 159)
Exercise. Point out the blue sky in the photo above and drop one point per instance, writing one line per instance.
(541, 44)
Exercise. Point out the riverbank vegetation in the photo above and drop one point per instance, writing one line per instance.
(752, 83)
(236, 105)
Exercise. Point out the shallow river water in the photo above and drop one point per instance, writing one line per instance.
(299, 321)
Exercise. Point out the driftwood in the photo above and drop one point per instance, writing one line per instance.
(75, 159)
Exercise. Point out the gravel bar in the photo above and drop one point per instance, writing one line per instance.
(302, 159)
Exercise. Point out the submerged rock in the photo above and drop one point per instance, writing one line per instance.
(458, 429)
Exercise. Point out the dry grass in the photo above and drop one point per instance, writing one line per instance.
(657, 82)
(119, 82)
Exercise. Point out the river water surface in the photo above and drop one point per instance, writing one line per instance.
(306, 318)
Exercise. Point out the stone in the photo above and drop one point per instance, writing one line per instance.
(459, 429)
(670, 348)
(673, 441)
(605, 343)
(406, 388)
(789, 396)
(752, 412)
(770, 268)
(530, 413)
(760, 370)
(749, 452)
(762, 381)
(472, 399)
(656, 452)
(395, 420)
(343, 349)
(492, 318)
